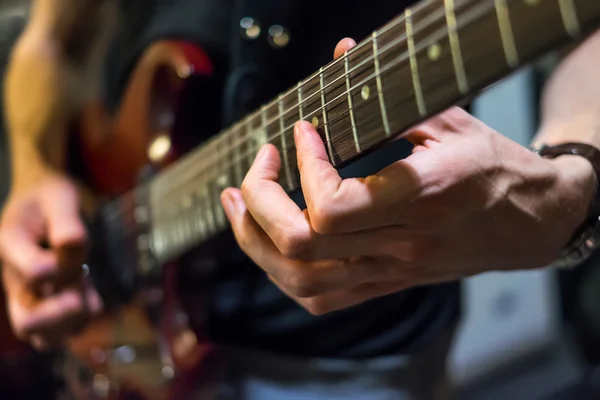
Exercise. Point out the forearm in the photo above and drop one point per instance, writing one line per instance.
(54, 68)
(571, 99)
(571, 113)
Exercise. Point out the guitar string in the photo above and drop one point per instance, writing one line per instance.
(210, 162)
(128, 209)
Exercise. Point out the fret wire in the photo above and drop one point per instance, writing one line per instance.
(350, 105)
(263, 117)
(249, 134)
(325, 125)
(414, 67)
(461, 77)
(284, 145)
(263, 127)
(506, 33)
(238, 164)
(259, 134)
(220, 182)
(386, 124)
(569, 16)
(300, 110)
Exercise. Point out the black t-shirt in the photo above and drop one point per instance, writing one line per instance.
(245, 308)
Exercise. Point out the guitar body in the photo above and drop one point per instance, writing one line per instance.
(145, 350)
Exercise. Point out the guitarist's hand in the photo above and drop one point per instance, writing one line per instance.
(468, 200)
(43, 244)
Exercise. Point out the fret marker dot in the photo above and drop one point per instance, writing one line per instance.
(434, 52)
(223, 181)
(365, 92)
(315, 122)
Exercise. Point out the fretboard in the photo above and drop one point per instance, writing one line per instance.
(435, 55)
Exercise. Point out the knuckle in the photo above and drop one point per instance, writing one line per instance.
(20, 327)
(35, 272)
(252, 187)
(32, 274)
(416, 251)
(244, 240)
(73, 304)
(316, 307)
(294, 245)
(323, 220)
(246, 188)
(24, 326)
(300, 282)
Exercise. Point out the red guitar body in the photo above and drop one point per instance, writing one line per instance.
(127, 354)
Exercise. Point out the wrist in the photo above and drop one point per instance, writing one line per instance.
(577, 186)
(28, 166)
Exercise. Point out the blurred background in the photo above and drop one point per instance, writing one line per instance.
(525, 335)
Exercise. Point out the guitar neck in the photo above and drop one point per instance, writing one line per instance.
(435, 55)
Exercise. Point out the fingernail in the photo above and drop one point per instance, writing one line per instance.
(261, 153)
(228, 204)
(238, 202)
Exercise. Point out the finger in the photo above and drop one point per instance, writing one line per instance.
(330, 302)
(57, 316)
(343, 46)
(300, 242)
(266, 200)
(335, 205)
(55, 333)
(65, 227)
(31, 264)
(301, 278)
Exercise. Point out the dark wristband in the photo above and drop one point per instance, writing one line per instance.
(586, 238)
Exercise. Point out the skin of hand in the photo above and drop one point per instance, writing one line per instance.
(467, 200)
(43, 240)
(49, 299)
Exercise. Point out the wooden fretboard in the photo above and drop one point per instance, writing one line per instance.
(431, 57)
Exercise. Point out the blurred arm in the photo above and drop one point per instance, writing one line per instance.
(571, 99)
(53, 69)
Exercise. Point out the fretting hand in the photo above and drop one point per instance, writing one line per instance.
(468, 200)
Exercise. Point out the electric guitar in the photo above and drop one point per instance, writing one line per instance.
(437, 54)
